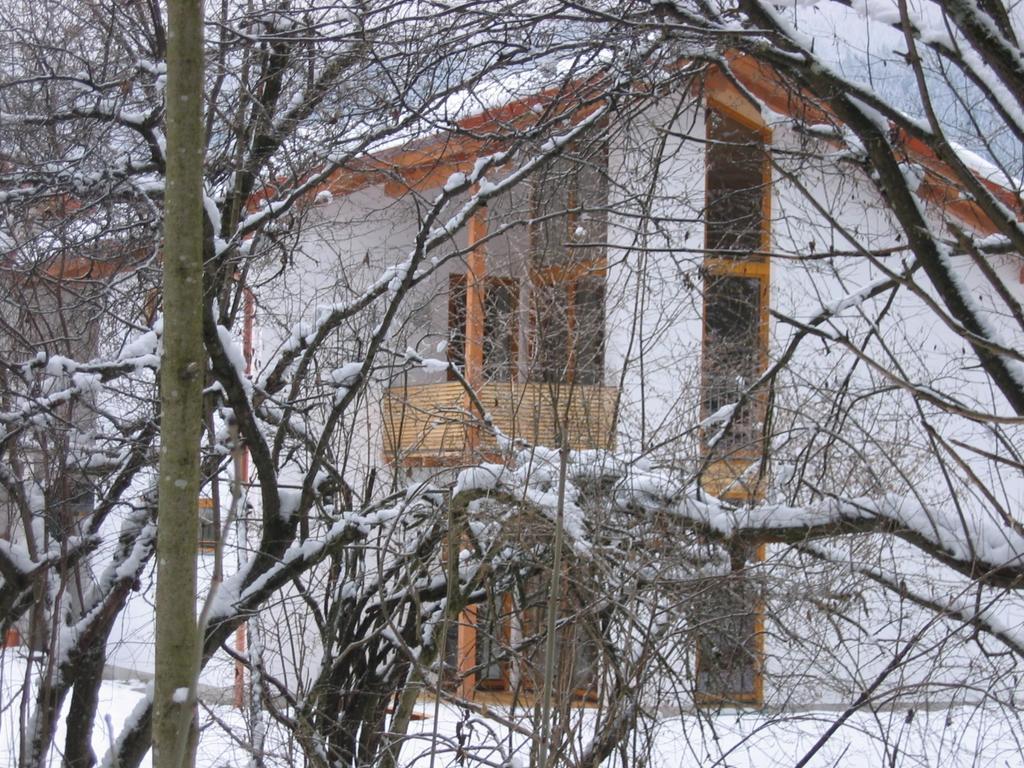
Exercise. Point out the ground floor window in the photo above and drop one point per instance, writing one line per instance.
(727, 618)
(208, 533)
(499, 646)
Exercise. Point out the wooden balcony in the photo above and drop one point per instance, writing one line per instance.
(429, 424)
(734, 478)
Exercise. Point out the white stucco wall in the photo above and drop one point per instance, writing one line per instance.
(876, 443)
(654, 298)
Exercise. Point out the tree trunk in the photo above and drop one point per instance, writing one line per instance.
(181, 379)
(78, 752)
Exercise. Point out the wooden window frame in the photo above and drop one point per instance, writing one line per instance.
(521, 614)
(569, 279)
(756, 696)
(466, 675)
(728, 469)
(206, 543)
(569, 275)
(757, 267)
(503, 620)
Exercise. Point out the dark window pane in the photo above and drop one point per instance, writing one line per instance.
(589, 330)
(551, 345)
(569, 200)
(732, 316)
(501, 306)
(491, 624)
(577, 669)
(724, 616)
(81, 498)
(551, 193)
(735, 188)
(450, 663)
(589, 224)
(456, 322)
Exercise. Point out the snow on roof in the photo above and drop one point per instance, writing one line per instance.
(985, 169)
(513, 102)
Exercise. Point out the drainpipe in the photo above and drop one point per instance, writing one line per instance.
(242, 479)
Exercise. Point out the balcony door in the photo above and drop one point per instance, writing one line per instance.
(501, 327)
(568, 268)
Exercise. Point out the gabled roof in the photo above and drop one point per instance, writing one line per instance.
(939, 185)
(427, 162)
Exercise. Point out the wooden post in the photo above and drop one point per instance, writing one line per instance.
(466, 655)
(242, 470)
(476, 281)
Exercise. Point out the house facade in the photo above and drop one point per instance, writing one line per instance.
(632, 295)
(629, 296)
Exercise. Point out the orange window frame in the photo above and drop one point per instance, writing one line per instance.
(504, 626)
(759, 266)
(756, 696)
(567, 275)
(466, 655)
(469, 663)
(207, 543)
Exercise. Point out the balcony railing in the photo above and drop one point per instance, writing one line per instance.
(429, 423)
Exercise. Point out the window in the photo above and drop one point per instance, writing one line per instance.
(735, 278)
(728, 614)
(729, 617)
(732, 354)
(492, 638)
(735, 189)
(498, 645)
(568, 316)
(501, 330)
(568, 268)
(577, 654)
(479, 647)
(208, 533)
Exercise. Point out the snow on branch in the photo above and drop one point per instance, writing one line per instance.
(243, 591)
(306, 336)
(958, 603)
(983, 548)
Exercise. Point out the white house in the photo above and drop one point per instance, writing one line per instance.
(629, 296)
(639, 293)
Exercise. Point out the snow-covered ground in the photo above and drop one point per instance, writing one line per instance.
(962, 736)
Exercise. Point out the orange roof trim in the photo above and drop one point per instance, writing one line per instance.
(428, 163)
(940, 186)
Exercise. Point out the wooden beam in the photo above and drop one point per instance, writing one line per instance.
(466, 656)
(476, 280)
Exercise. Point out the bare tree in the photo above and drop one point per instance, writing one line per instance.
(819, 447)
(181, 395)
(297, 96)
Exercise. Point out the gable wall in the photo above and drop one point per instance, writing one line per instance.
(653, 346)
